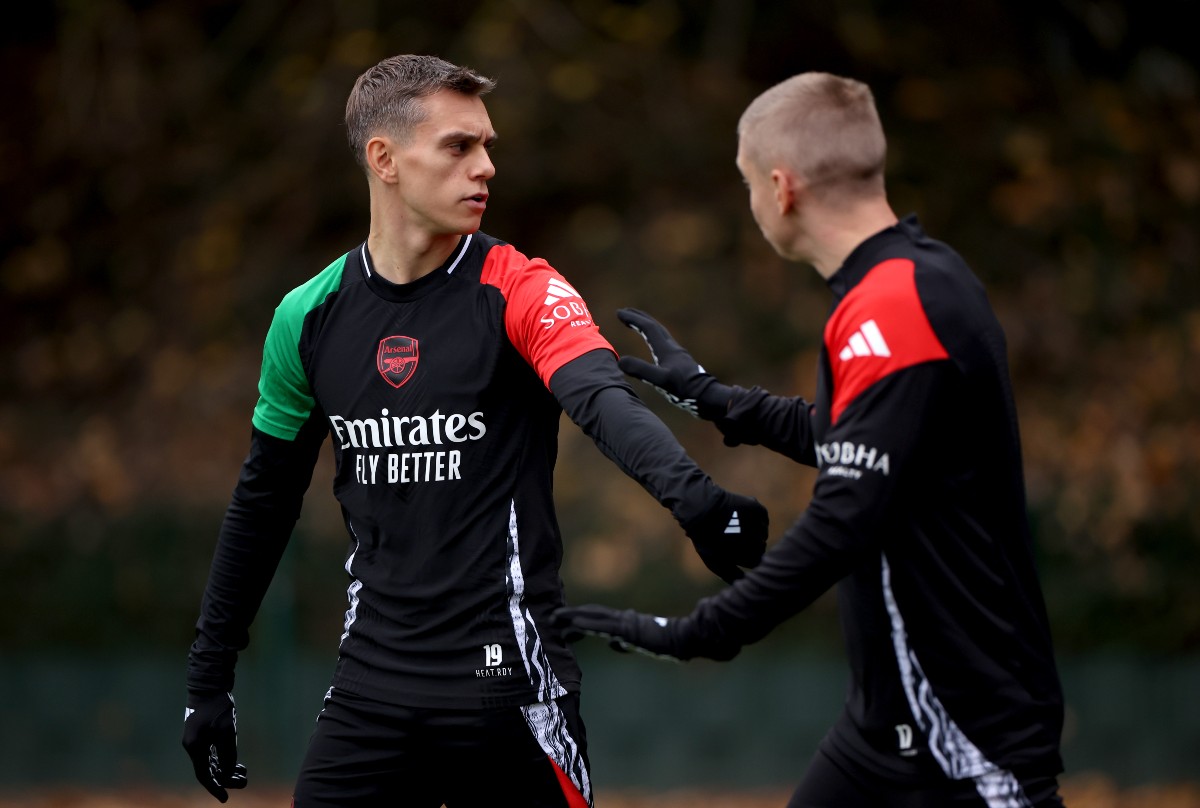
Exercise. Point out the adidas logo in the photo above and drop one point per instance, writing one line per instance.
(557, 290)
(866, 341)
(564, 305)
(735, 524)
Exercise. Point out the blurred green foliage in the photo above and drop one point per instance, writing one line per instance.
(170, 169)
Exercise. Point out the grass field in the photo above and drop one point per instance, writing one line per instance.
(1082, 791)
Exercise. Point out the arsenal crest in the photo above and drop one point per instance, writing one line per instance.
(397, 359)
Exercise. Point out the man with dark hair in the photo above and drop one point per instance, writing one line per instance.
(438, 359)
(918, 510)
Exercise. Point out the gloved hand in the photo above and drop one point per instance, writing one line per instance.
(671, 638)
(210, 738)
(729, 535)
(675, 374)
(625, 630)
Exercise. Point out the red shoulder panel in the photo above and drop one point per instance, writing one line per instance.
(880, 327)
(546, 319)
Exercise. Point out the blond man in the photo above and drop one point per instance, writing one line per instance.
(918, 512)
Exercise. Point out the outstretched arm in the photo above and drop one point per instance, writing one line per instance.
(579, 368)
(744, 416)
(842, 528)
(728, 530)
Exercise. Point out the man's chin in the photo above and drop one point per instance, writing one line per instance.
(457, 230)
(468, 227)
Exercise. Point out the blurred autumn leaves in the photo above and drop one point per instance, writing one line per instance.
(170, 169)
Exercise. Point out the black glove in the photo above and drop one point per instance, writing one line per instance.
(671, 638)
(674, 373)
(625, 630)
(731, 534)
(210, 738)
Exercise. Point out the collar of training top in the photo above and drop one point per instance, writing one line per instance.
(360, 258)
(863, 258)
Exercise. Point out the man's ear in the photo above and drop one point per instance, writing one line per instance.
(788, 188)
(381, 159)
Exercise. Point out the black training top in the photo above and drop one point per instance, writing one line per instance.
(437, 397)
(918, 515)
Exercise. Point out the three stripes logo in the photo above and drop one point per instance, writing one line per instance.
(866, 341)
(735, 524)
(564, 305)
(557, 290)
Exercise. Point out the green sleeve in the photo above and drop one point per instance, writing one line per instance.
(285, 398)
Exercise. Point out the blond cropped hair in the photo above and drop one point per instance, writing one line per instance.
(825, 128)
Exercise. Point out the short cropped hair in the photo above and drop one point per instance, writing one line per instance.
(386, 98)
(824, 127)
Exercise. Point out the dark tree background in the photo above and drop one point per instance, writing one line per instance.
(170, 169)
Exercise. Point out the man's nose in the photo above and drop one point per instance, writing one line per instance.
(484, 168)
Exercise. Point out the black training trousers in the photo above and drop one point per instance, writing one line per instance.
(838, 783)
(367, 754)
